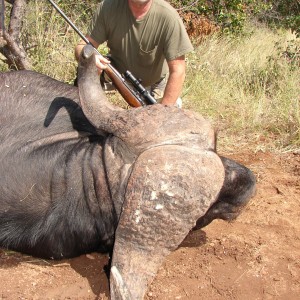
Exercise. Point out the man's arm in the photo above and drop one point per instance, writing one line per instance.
(175, 81)
(100, 62)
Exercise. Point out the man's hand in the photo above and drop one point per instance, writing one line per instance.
(101, 61)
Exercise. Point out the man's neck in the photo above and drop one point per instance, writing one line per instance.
(139, 8)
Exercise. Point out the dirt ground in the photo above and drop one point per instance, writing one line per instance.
(255, 257)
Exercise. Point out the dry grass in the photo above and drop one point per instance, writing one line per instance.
(247, 87)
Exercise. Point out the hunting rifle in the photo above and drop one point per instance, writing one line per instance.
(136, 97)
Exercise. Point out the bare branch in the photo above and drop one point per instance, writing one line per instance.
(16, 18)
(15, 54)
(2, 14)
(10, 45)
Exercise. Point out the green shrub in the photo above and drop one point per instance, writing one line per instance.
(233, 15)
(230, 15)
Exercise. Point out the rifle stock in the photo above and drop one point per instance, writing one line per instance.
(131, 97)
(120, 84)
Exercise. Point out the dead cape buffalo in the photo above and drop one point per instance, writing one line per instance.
(80, 175)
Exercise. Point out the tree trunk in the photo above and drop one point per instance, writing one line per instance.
(10, 45)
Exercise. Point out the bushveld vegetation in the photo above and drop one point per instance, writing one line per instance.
(244, 75)
(248, 86)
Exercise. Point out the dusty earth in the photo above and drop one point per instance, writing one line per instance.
(255, 257)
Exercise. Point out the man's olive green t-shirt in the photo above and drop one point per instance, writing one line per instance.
(141, 46)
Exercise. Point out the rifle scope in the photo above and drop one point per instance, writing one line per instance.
(137, 84)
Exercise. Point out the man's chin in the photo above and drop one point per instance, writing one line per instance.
(140, 1)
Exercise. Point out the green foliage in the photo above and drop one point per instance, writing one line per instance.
(287, 14)
(232, 15)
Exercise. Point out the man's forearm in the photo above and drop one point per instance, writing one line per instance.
(79, 48)
(173, 89)
(175, 81)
